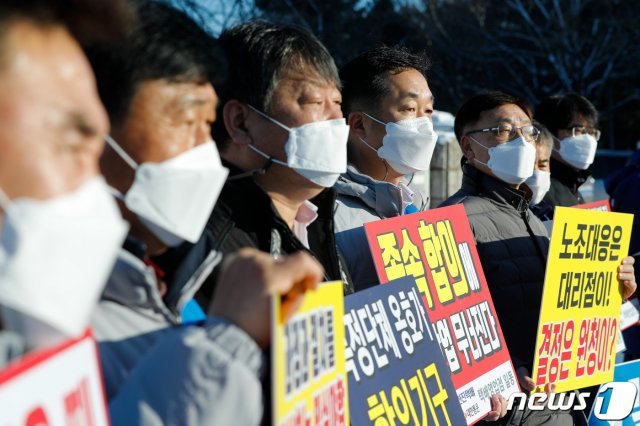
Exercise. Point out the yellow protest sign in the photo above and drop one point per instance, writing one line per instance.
(308, 361)
(580, 313)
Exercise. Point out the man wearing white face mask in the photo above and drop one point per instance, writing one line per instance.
(573, 121)
(540, 181)
(282, 135)
(165, 171)
(388, 105)
(60, 230)
(497, 139)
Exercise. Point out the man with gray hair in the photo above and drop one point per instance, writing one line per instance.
(281, 133)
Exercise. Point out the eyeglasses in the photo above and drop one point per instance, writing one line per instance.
(505, 132)
(579, 130)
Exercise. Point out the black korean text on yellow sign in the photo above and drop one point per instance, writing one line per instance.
(308, 361)
(580, 313)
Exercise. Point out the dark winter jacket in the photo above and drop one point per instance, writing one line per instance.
(624, 189)
(132, 316)
(512, 244)
(245, 216)
(565, 182)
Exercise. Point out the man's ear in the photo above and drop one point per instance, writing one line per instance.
(356, 125)
(465, 145)
(234, 114)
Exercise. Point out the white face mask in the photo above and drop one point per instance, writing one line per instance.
(318, 150)
(408, 145)
(539, 183)
(55, 258)
(579, 151)
(512, 162)
(175, 198)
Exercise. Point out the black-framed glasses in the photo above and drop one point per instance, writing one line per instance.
(504, 132)
(579, 130)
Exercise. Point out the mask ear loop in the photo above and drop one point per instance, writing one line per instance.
(475, 159)
(411, 180)
(121, 152)
(386, 166)
(255, 172)
(555, 138)
(252, 173)
(271, 119)
(5, 201)
(126, 158)
(270, 160)
(374, 119)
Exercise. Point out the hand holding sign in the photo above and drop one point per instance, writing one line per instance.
(580, 314)
(527, 383)
(498, 408)
(437, 249)
(250, 278)
(627, 276)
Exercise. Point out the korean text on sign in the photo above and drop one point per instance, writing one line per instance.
(580, 313)
(309, 384)
(59, 386)
(396, 372)
(437, 249)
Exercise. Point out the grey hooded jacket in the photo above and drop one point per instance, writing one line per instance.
(158, 371)
(362, 199)
(131, 315)
(195, 375)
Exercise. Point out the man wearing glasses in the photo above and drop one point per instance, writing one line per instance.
(498, 139)
(573, 121)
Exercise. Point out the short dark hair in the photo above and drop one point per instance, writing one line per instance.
(545, 139)
(87, 21)
(363, 78)
(558, 111)
(260, 53)
(166, 44)
(471, 110)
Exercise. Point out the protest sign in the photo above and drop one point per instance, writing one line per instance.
(615, 402)
(58, 386)
(437, 248)
(602, 205)
(396, 372)
(630, 311)
(579, 318)
(309, 383)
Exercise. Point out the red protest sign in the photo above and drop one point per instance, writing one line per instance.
(602, 205)
(437, 248)
(58, 386)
